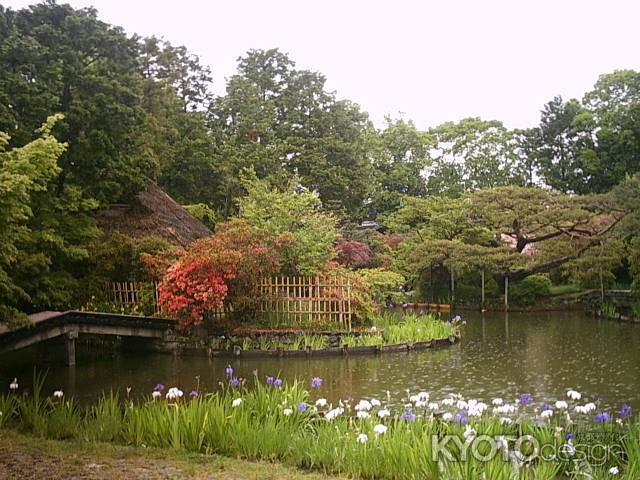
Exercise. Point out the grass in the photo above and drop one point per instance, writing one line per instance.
(407, 329)
(25, 457)
(417, 328)
(282, 424)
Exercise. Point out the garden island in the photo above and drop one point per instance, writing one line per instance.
(265, 283)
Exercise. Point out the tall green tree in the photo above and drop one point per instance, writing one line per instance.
(401, 156)
(176, 138)
(281, 121)
(473, 154)
(590, 146)
(614, 104)
(43, 232)
(564, 143)
(57, 59)
(295, 216)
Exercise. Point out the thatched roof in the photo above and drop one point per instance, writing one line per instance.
(153, 213)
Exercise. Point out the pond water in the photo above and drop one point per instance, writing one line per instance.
(500, 355)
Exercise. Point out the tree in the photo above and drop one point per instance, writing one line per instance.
(42, 233)
(550, 228)
(57, 59)
(401, 156)
(473, 154)
(381, 283)
(563, 142)
(443, 240)
(295, 217)
(590, 146)
(353, 254)
(280, 122)
(614, 104)
(176, 95)
(511, 231)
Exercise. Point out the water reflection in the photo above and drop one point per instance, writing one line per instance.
(500, 355)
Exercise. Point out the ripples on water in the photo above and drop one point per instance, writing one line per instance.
(543, 354)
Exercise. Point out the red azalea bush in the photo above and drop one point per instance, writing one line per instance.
(191, 288)
(218, 269)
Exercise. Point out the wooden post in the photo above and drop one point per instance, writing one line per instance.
(349, 302)
(482, 277)
(453, 286)
(71, 347)
(506, 292)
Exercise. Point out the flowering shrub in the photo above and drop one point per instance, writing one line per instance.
(191, 288)
(216, 269)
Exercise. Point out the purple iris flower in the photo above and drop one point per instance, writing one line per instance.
(277, 383)
(525, 399)
(625, 411)
(546, 406)
(228, 371)
(409, 416)
(234, 382)
(158, 388)
(269, 380)
(193, 394)
(569, 436)
(302, 407)
(462, 418)
(316, 382)
(602, 417)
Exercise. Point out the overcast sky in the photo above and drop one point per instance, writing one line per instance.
(431, 61)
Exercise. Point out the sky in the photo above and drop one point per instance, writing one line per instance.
(429, 61)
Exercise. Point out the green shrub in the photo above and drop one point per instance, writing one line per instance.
(204, 213)
(382, 283)
(529, 290)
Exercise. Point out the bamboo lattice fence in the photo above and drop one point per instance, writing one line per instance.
(130, 294)
(310, 300)
(291, 300)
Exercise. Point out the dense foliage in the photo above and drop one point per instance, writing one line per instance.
(302, 167)
(42, 235)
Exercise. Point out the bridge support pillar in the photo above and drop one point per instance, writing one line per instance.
(71, 347)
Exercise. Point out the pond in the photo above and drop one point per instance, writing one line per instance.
(500, 355)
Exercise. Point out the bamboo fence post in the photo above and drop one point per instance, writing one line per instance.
(349, 300)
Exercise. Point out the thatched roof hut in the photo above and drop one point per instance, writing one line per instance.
(152, 213)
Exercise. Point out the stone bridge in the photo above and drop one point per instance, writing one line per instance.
(48, 325)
